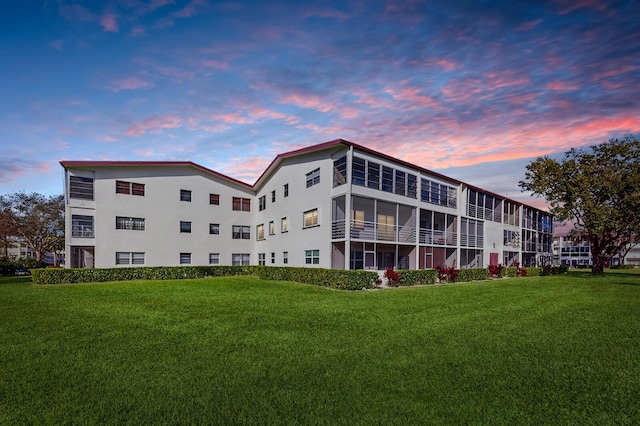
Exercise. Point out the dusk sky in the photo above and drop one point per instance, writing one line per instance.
(472, 89)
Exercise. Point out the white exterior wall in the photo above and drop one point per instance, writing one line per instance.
(298, 239)
(161, 241)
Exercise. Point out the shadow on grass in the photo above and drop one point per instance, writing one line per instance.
(25, 279)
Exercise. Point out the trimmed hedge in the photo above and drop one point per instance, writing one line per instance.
(473, 274)
(334, 278)
(343, 280)
(88, 275)
(409, 277)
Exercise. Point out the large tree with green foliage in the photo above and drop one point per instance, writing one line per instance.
(598, 189)
(38, 219)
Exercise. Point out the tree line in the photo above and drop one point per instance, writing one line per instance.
(36, 219)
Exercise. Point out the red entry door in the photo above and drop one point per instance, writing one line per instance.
(493, 259)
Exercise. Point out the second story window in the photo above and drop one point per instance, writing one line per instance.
(214, 199)
(260, 232)
(185, 227)
(81, 226)
(241, 204)
(285, 188)
(185, 195)
(214, 228)
(313, 177)
(262, 203)
(240, 232)
(283, 225)
(311, 218)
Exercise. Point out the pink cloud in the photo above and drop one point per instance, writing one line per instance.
(154, 125)
(562, 85)
(498, 80)
(130, 83)
(529, 25)
(414, 95)
(109, 23)
(214, 64)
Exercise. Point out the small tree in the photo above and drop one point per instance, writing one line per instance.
(39, 220)
(598, 189)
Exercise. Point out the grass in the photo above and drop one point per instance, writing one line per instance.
(543, 350)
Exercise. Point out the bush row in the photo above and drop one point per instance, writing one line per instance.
(87, 275)
(334, 278)
(473, 274)
(343, 280)
(410, 277)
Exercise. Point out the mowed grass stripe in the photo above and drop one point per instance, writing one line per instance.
(239, 350)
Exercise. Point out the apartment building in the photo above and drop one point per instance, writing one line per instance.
(334, 205)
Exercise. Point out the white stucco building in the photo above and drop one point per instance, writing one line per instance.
(334, 205)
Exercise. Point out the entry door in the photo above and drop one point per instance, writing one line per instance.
(493, 259)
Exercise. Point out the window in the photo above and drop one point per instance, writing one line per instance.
(240, 259)
(214, 199)
(129, 258)
(214, 228)
(373, 175)
(311, 218)
(241, 232)
(400, 183)
(260, 232)
(312, 257)
(285, 189)
(387, 179)
(272, 228)
(273, 258)
(185, 258)
(130, 223)
(285, 257)
(81, 187)
(82, 226)
(283, 225)
(340, 171)
(412, 186)
(313, 177)
(185, 195)
(241, 204)
(262, 203)
(261, 259)
(214, 258)
(130, 188)
(185, 227)
(358, 171)
(273, 196)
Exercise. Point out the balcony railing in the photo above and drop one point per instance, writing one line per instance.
(471, 240)
(430, 236)
(337, 229)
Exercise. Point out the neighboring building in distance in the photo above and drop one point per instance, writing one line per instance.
(334, 205)
(576, 252)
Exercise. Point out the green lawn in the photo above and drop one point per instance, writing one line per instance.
(535, 350)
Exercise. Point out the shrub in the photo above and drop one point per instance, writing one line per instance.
(409, 277)
(393, 279)
(446, 274)
(334, 278)
(472, 274)
(495, 271)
